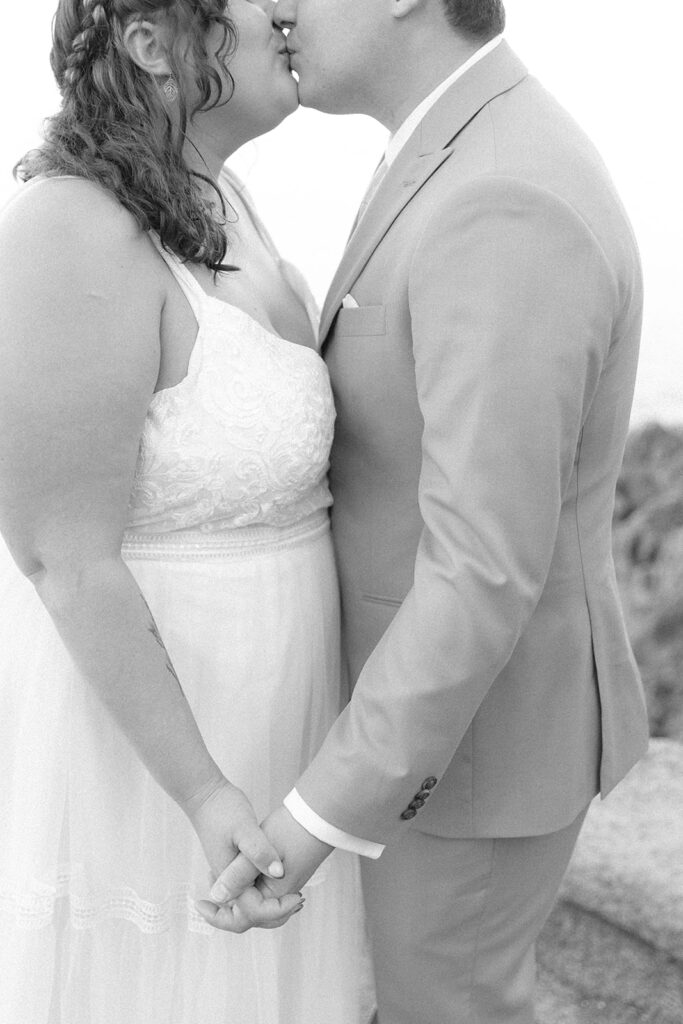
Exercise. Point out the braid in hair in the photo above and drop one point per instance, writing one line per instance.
(90, 43)
(114, 127)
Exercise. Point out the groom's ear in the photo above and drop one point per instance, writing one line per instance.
(401, 8)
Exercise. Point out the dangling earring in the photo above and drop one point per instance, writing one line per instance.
(171, 89)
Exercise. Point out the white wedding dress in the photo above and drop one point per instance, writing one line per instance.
(228, 538)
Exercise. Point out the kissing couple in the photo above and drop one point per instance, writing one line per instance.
(220, 716)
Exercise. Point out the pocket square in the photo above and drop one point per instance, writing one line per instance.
(349, 303)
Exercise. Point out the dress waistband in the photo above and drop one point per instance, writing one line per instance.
(192, 545)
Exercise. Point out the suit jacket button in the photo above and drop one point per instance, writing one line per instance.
(417, 803)
(407, 815)
(429, 783)
(424, 794)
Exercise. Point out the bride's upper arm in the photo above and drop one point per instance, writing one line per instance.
(80, 306)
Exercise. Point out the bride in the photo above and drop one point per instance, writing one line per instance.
(169, 644)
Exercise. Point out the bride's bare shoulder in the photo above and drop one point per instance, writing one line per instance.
(65, 214)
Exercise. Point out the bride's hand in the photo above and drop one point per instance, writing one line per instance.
(226, 825)
(255, 908)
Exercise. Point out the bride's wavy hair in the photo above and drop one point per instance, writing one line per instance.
(114, 128)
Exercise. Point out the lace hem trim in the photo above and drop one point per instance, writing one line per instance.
(33, 906)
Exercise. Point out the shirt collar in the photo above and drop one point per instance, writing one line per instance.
(402, 134)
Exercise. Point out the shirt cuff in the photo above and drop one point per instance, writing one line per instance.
(327, 833)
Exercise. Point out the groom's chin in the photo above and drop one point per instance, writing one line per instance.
(303, 93)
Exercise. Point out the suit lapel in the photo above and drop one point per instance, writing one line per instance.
(403, 180)
(427, 149)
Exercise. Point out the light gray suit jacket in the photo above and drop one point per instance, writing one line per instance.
(483, 389)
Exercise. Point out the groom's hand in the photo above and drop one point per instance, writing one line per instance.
(300, 852)
(237, 904)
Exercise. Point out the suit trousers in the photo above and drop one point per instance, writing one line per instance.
(454, 922)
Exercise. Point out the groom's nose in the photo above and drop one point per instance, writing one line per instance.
(284, 15)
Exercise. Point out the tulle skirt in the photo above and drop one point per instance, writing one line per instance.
(99, 870)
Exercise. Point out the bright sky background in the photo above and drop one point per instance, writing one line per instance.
(615, 64)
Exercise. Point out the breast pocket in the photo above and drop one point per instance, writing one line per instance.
(361, 321)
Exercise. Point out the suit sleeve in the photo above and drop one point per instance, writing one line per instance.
(512, 304)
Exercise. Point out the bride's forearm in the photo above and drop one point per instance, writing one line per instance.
(111, 635)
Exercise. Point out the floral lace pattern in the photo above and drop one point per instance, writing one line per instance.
(244, 439)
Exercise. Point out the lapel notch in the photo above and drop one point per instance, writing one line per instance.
(426, 150)
(403, 180)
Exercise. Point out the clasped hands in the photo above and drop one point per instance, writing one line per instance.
(267, 866)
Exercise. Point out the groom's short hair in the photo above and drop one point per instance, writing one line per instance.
(481, 19)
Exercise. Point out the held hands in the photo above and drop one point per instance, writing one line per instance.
(228, 830)
(236, 891)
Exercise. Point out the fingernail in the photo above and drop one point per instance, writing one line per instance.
(219, 893)
(276, 870)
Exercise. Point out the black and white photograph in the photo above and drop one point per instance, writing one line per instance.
(341, 512)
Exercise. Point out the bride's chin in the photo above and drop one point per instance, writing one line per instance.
(293, 91)
(286, 109)
(283, 101)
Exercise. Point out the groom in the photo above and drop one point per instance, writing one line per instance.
(481, 335)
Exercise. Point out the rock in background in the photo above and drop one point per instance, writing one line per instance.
(612, 951)
(648, 551)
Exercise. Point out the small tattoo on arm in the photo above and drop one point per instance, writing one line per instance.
(154, 630)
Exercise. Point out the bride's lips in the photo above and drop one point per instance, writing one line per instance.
(283, 52)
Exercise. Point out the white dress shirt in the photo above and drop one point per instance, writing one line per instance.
(297, 807)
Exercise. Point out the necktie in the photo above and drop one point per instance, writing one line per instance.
(375, 182)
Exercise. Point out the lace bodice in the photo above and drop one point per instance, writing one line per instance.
(244, 439)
